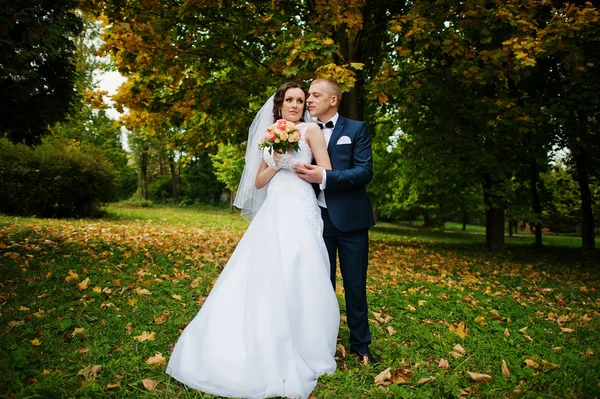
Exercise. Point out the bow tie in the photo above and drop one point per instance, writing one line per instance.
(328, 125)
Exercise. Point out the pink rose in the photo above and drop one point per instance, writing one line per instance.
(294, 137)
(282, 124)
(283, 135)
(270, 135)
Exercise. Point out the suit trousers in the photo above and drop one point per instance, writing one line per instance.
(353, 250)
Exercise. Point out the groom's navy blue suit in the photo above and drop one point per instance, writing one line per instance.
(347, 220)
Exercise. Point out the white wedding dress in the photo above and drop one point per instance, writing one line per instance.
(269, 326)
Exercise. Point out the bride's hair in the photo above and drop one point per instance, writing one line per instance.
(280, 95)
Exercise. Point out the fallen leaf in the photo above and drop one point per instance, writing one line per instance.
(77, 331)
(146, 336)
(84, 284)
(178, 297)
(532, 364)
(411, 308)
(459, 348)
(455, 355)
(142, 291)
(150, 385)
(589, 354)
(83, 349)
(35, 342)
(506, 332)
(443, 364)
(97, 289)
(522, 330)
(384, 378)
(567, 330)
(15, 323)
(400, 376)
(341, 350)
(156, 360)
(387, 319)
(72, 276)
(132, 301)
(477, 377)
(556, 348)
(459, 330)
(505, 370)
(107, 290)
(91, 371)
(24, 309)
(128, 328)
(46, 372)
(481, 321)
(162, 318)
(549, 366)
(391, 330)
(425, 380)
(527, 338)
(112, 386)
(421, 302)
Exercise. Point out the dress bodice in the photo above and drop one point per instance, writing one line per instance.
(286, 183)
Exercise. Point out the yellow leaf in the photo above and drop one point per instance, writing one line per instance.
(481, 321)
(480, 377)
(77, 331)
(97, 289)
(149, 384)
(156, 360)
(49, 274)
(505, 370)
(531, 363)
(328, 42)
(357, 65)
(15, 323)
(72, 276)
(46, 372)
(24, 309)
(460, 330)
(421, 302)
(178, 297)
(84, 284)
(146, 336)
(142, 291)
(567, 330)
(35, 342)
(112, 386)
(132, 301)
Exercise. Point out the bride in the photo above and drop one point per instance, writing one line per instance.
(269, 326)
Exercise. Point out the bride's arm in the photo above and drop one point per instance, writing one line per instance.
(264, 175)
(318, 146)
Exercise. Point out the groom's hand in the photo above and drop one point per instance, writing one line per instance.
(310, 173)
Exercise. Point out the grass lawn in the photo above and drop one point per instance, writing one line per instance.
(89, 308)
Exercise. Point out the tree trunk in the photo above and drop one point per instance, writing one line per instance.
(144, 170)
(494, 219)
(587, 216)
(510, 228)
(174, 178)
(535, 199)
(465, 219)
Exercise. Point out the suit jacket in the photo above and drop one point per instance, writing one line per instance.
(352, 169)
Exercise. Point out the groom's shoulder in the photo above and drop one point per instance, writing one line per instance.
(353, 123)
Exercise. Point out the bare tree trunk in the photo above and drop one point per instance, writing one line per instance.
(465, 219)
(535, 199)
(144, 169)
(587, 215)
(494, 219)
(510, 228)
(174, 178)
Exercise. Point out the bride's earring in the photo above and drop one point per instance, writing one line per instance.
(279, 112)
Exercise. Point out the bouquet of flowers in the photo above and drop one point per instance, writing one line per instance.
(280, 136)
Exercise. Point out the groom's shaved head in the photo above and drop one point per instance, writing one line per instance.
(332, 87)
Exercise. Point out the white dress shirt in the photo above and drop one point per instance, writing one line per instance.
(327, 133)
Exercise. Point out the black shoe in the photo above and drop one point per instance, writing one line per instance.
(364, 358)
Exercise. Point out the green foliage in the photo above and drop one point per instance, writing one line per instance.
(228, 164)
(55, 179)
(37, 71)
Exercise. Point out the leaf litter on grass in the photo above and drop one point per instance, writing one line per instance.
(441, 314)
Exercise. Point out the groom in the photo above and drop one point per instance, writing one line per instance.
(345, 208)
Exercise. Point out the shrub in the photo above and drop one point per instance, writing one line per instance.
(55, 179)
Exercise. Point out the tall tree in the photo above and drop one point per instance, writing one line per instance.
(37, 71)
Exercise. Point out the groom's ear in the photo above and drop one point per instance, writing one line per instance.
(335, 101)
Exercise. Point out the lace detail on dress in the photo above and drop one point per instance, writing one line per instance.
(286, 183)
